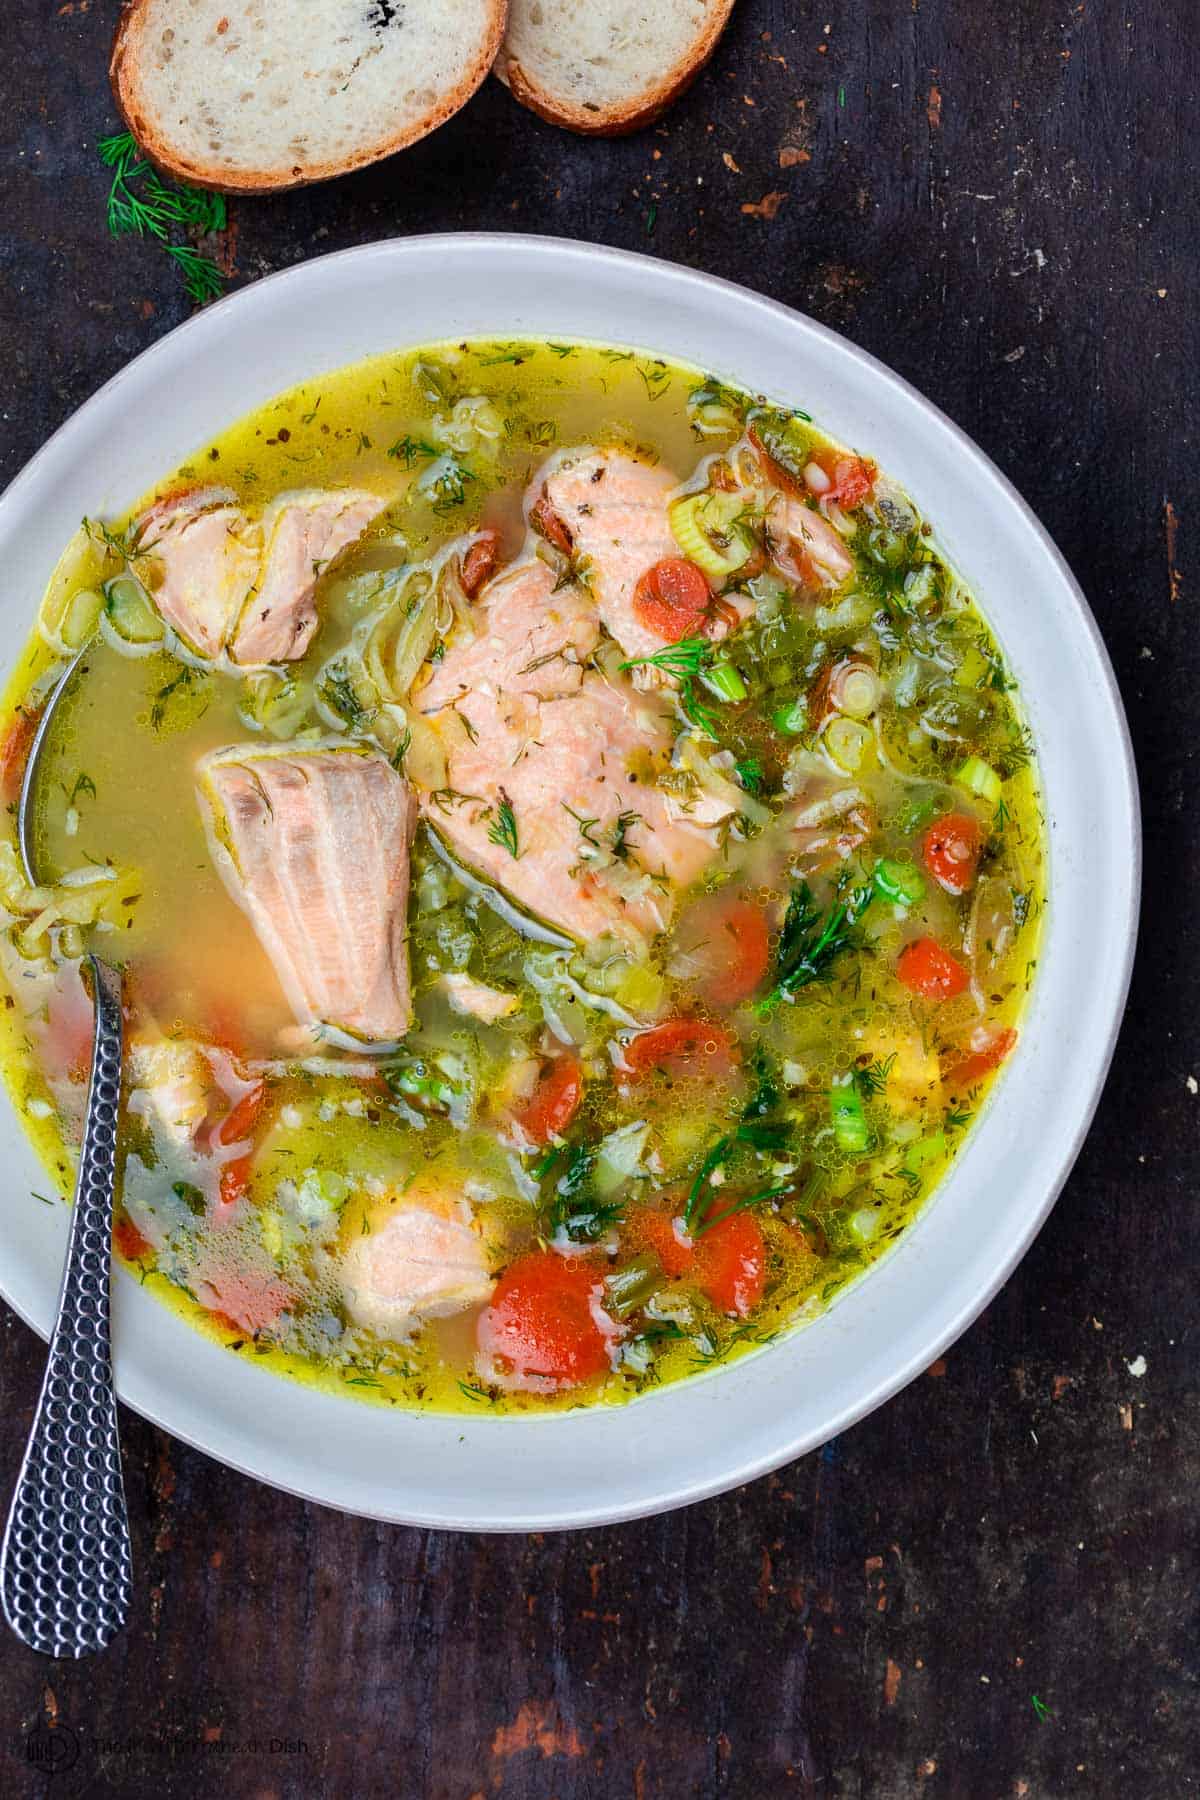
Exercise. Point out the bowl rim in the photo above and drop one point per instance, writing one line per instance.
(926, 1346)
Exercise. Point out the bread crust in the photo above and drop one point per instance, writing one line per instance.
(615, 121)
(156, 148)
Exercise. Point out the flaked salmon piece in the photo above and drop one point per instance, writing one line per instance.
(424, 1261)
(531, 642)
(171, 1086)
(314, 846)
(805, 546)
(568, 779)
(224, 580)
(476, 1000)
(202, 556)
(302, 534)
(614, 508)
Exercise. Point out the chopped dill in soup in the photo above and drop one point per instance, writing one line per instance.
(575, 857)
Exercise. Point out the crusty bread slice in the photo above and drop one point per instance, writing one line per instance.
(249, 95)
(606, 67)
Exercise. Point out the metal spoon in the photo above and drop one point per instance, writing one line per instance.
(66, 1571)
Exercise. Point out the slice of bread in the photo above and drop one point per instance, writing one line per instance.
(606, 67)
(249, 96)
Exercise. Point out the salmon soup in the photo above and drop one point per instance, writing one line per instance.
(575, 857)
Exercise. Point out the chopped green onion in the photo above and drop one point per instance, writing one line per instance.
(723, 680)
(979, 778)
(850, 1128)
(901, 882)
(792, 718)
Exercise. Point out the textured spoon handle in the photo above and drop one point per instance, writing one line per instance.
(65, 1567)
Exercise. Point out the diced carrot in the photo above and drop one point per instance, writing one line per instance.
(547, 524)
(931, 971)
(128, 1239)
(541, 1328)
(15, 746)
(679, 1048)
(479, 563)
(672, 598)
(554, 1101)
(726, 942)
(731, 1263)
(988, 1046)
(727, 1262)
(950, 851)
(235, 1179)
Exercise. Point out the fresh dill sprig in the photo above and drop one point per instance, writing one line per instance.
(586, 826)
(407, 449)
(811, 941)
(142, 204)
(684, 661)
(872, 1079)
(622, 826)
(1018, 754)
(749, 772)
(503, 830)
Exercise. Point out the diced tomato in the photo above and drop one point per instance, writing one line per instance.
(547, 523)
(731, 1263)
(672, 598)
(14, 751)
(244, 1301)
(554, 1101)
(726, 942)
(479, 563)
(852, 480)
(679, 1048)
(728, 1262)
(931, 971)
(128, 1239)
(541, 1331)
(950, 851)
(987, 1048)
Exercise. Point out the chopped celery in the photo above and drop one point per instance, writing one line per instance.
(706, 528)
(979, 778)
(926, 1150)
(723, 680)
(128, 611)
(850, 1129)
(863, 1224)
(899, 881)
(792, 718)
(629, 1288)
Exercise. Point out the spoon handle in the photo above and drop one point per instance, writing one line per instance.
(65, 1565)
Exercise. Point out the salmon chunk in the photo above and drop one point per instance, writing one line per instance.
(314, 846)
(203, 556)
(302, 534)
(424, 1261)
(226, 581)
(553, 769)
(804, 544)
(614, 508)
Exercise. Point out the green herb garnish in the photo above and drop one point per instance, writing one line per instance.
(504, 829)
(142, 204)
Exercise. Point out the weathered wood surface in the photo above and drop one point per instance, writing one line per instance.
(1000, 200)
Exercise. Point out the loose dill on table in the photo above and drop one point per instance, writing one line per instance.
(142, 204)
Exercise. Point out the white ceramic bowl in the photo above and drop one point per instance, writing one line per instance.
(720, 1429)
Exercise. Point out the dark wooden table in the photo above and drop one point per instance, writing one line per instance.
(989, 1588)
